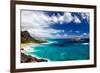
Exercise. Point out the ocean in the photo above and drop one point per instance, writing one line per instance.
(62, 50)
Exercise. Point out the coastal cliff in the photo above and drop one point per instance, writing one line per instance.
(26, 41)
(26, 38)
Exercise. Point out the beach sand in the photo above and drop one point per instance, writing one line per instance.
(27, 47)
(24, 45)
(25, 57)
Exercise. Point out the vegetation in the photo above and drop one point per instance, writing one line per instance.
(26, 38)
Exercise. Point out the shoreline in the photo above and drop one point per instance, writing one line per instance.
(26, 57)
(26, 45)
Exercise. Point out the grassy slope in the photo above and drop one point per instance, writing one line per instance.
(26, 38)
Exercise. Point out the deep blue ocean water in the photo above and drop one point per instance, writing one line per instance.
(62, 50)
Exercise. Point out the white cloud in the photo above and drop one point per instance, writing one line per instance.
(67, 17)
(77, 31)
(54, 18)
(57, 35)
(62, 31)
(84, 35)
(76, 19)
(34, 19)
(61, 36)
(61, 19)
(43, 33)
(38, 23)
(85, 16)
(65, 35)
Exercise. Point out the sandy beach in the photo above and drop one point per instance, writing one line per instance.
(27, 47)
(24, 45)
(25, 57)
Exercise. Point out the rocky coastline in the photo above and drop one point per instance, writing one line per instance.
(28, 58)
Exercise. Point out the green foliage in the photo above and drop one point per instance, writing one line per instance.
(41, 41)
(24, 40)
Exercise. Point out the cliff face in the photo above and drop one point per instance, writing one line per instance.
(25, 37)
(28, 58)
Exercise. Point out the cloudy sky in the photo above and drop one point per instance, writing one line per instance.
(54, 24)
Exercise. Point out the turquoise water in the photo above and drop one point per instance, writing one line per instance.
(62, 50)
